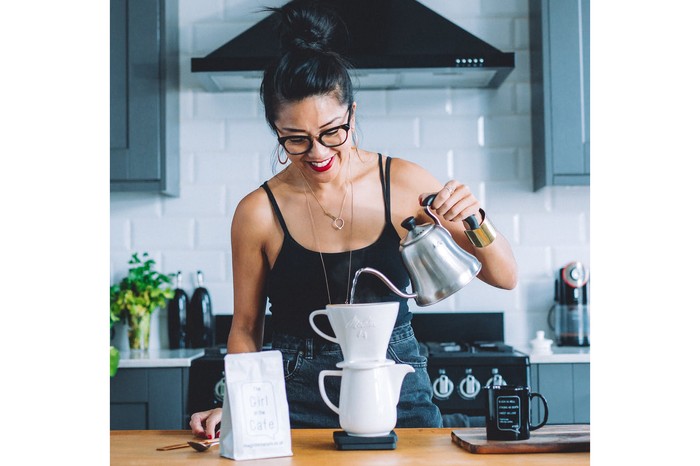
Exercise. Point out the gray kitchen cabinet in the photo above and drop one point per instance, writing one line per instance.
(144, 96)
(567, 390)
(560, 91)
(149, 398)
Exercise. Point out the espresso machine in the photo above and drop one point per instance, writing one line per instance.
(569, 316)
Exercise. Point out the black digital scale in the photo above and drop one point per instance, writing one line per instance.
(344, 441)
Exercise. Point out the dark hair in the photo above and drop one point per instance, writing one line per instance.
(308, 66)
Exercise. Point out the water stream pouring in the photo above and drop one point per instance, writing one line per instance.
(437, 266)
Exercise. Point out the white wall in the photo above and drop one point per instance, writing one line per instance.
(226, 151)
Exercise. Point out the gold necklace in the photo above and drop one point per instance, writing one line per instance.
(318, 248)
(337, 222)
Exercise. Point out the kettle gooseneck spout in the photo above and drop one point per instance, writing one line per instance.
(386, 281)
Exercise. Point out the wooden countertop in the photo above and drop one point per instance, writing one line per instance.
(316, 447)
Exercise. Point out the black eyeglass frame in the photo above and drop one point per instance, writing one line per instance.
(282, 139)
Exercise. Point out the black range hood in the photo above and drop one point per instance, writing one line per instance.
(392, 44)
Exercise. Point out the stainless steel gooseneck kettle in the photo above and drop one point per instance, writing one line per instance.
(437, 266)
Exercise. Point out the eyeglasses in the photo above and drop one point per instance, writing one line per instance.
(332, 137)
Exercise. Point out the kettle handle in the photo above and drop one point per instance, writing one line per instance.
(428, 201)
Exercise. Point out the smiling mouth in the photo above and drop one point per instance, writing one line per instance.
(323, 165)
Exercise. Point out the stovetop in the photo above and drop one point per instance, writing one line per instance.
(450, 347)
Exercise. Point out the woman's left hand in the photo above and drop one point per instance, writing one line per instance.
(455, 202)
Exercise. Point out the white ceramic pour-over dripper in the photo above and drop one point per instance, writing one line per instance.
(369, 395)
(362, 330)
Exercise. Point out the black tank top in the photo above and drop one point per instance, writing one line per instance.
(296, 285)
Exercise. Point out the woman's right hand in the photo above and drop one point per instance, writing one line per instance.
(203, 424)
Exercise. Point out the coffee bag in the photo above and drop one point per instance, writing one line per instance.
(255, 418)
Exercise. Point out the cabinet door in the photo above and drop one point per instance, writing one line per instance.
(135, 96)
(560, 37)
(128, 393)
(143, 96)
(152, 398)
(568, 120)
(556, 384)
(582, 393)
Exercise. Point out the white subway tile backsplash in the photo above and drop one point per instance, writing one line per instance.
(487, 102)
(523, 98)
(163, 233)
(212, 263)
(415, 102)
(572, 198)
(508, 130)
(130, 205)
(514, 197)
(209, 36)
(522, 33)
(486, 165)
(119, 234)
(226, 149)
(186, 168)
(518, 327)
(199, 135)
(396, 132)
(478, 296)
(507, 225)
(448, 133)
(249, 135)
(221, 168)
(198, 11)
(562, 255)
(533, 261)
(200, 200)
(225, 105)
(537, 294)
(221, 297)
(213, 233)
(370, 103)
(549, 229)
(433, 160)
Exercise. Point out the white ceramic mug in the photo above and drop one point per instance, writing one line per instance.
(368, 397)
(362, 330)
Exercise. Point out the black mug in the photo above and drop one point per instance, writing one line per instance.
(508, 412)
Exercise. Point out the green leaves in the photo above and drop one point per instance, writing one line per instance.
(113, 360)
(141, 292)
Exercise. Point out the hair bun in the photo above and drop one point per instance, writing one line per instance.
(306, 25)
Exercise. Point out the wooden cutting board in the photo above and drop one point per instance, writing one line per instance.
(548, 439)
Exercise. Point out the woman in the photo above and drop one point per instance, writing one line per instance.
(298, 239)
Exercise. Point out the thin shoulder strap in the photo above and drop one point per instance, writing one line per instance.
(385, 179)
(276, 207)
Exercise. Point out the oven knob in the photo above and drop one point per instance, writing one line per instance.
(442, 386)
(469, 387)
(220, 389)
(496, 379)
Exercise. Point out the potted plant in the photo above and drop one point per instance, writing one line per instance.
(136, 296)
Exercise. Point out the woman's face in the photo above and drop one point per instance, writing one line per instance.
(301, 125)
